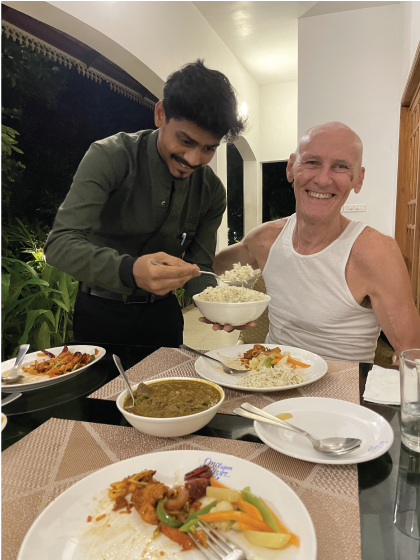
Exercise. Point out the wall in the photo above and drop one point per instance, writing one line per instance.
(278, 120)
(410, 37)
(349, 71)
(159, 36)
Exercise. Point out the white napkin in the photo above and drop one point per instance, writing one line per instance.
(383, 386)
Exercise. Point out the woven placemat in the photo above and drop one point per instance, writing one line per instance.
(53, 457)
(340, 382)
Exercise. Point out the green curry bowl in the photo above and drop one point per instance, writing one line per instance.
(171, 407)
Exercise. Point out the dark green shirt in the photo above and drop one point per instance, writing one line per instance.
(124, 203)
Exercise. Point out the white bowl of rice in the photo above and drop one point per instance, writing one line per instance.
(231, 305)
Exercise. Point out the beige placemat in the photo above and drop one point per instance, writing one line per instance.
(340, 382)
(53, 457)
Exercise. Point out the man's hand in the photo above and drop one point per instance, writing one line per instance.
(227, 328)
(160, 280)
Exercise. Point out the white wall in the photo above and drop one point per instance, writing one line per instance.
(349, 72)
(278, 120)
(161, 36)
(410, 37)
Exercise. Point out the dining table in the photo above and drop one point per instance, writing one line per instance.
(57, 435)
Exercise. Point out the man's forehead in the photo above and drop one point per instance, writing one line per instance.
(330, 147)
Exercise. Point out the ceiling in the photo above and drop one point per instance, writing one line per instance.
(264, 35)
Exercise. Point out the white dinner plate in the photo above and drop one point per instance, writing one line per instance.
(327, 418)
(3, 421)
(59, 533)
(43, 380)
(212, 372)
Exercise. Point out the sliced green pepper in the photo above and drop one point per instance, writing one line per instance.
(164, 516)
(268, 362)
(265, 512)
(192, 519)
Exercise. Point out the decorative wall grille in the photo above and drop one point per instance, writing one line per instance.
(68, 61)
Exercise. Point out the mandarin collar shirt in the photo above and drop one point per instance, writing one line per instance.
(124, 203)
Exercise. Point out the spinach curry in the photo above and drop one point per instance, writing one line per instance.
(172, 398)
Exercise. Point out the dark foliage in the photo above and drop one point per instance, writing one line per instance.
(61, 114)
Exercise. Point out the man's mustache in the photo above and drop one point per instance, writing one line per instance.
(180, 160)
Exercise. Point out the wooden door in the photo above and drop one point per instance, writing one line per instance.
(407, 227)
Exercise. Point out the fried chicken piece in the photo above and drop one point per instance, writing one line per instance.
(145, 500)
(120, 503)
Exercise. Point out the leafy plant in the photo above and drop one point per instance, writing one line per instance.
(184, 299)
(37, 305)
(22, 238)
(10, 168)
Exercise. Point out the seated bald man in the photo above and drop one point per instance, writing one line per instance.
(334, 282)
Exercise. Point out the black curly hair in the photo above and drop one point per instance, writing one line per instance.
(205, 97)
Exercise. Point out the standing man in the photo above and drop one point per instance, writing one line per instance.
(334, 282)
(142, 198)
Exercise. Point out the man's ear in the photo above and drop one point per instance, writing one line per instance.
(360, 180)
(289, 168)
(160, 118)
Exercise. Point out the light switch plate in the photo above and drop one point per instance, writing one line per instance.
(354, 208)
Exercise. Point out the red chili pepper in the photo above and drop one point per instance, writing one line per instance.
(49, 354)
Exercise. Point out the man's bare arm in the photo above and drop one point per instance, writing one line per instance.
(236, 253)
(389, 289)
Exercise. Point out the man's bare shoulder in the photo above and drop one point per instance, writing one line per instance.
(375, 252)
(266, 233)
(259, 240)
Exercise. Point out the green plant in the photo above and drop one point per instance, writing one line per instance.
(22, 238)
(183, 298)
(37, 305)
(10, 168)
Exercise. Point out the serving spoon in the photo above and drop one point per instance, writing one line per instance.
(14, 375)
(122, 372)
(228, 282)
(226, 369)
(329, 446)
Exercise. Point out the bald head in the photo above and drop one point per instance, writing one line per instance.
(335, 133)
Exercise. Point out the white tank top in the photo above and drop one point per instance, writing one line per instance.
(311, 305)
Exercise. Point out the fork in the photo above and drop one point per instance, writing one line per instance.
(226, 369)
(220, 547)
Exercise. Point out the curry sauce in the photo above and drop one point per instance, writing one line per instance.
(172, 398)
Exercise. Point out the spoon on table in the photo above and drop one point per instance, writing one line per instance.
(226, 369)
(14, 375)
(229, 282)
(122, 372)
(329, 446)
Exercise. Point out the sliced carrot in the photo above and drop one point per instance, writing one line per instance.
(294, 539)
(234, 515)
(89, 519)
(216, 483)
(297, 363)
(100, 517)
(249, 509)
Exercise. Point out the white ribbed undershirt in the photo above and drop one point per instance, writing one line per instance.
(311, 305)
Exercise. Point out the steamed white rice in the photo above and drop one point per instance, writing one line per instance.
(272, 377)
(231, 294)
(260, 376)
(239, 273)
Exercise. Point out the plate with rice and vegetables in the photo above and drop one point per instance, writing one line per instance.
(266, 367)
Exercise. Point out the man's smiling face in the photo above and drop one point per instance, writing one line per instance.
(325, 168)
(183, 145)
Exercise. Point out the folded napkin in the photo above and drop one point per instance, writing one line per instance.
(383, 386)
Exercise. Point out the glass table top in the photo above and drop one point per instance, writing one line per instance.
(378, 479)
